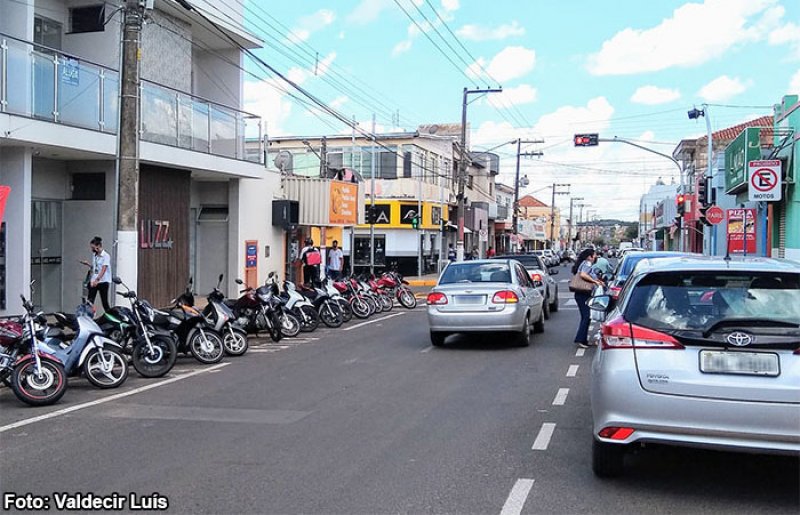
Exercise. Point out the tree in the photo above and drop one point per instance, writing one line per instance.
(632, 232)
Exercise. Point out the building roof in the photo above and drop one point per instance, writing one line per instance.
(504, 187)
(730, 133)
(531, 201)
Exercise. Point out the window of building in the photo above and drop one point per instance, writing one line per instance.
(388, 165)
(407, 165)
(47, 32)
(88, 18)
(88, 186)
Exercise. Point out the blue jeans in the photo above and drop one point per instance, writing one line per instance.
(582, 336)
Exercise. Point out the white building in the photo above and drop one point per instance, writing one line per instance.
(201, 194)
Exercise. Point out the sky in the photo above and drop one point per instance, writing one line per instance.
(623, 68)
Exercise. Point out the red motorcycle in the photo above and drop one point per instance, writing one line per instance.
(349, 289)
(35, 377)
(394, 284)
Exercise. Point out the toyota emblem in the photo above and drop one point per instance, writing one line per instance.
(739, 339)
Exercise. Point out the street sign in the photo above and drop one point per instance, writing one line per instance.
(745, 148)
(715, 215)
(765, 180)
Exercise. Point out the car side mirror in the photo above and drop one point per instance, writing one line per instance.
(599, 303)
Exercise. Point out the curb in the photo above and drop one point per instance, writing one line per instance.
(422, 282)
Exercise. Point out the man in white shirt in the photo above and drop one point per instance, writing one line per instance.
(100, 278)
(335, 261)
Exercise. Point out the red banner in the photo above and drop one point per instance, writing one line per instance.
(4, 192)
(738, 231)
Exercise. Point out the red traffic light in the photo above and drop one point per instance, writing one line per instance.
(680, 199)
(586, 140)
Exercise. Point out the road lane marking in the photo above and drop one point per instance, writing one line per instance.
(110, 398)
(372, 321)
(572, 371)
(561, 397)
(427, 349)
(517, 497)
(544, 436)
(580, 352)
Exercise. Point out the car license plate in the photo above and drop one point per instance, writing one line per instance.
(470, 300)
(744, 363)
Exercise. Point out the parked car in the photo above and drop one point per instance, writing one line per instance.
(626, 265)
(542, 277)
(700, 352)
(550, 257)
(485, 296)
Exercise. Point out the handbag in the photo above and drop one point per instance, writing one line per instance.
(579, 285)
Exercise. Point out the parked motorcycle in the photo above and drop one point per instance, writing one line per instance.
(259, 309)
(87, 350)
(36, 377)
(299, 306)
(152, 350)
(328, 309)
(397, 287)
(348, 288)
(223, 321)
(347, 310)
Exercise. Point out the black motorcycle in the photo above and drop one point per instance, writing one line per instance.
(260, 309)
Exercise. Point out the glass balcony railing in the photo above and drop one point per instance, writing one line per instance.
(43, 83)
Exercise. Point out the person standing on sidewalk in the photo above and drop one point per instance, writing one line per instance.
(335, 261)
(490, 253)
(100, 269)
(311, 259)
(584, 269)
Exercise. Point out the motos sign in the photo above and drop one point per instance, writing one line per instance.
(764, 182)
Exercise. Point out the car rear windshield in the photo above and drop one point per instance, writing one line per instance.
(695, 300)
(476, 273)
(629, 262)
(528, 261)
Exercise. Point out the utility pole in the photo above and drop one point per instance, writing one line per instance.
(515, 216)
(372, 203)
(569, 233)
(462, 166)
(323, 158)
(128, 145)
(553, 211)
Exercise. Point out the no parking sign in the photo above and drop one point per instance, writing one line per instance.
(765, 180)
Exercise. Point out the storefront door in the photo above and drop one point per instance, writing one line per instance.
(46, 247)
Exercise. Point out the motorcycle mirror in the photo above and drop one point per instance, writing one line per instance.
(116, 279)
(220, 278)
(191, 280)
(239, 281)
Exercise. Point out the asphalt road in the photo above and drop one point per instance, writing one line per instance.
(371, 419)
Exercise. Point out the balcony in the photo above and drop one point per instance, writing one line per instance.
(44, 84)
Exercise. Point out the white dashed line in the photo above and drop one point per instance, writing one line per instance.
(561, 397)
(580, 352)
(372, 321)
(427, 349)
(517, 497)
(544, 436)
(572, 371)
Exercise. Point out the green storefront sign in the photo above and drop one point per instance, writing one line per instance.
(745, 148)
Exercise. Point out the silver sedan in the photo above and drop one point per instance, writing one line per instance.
(701, 352)
(485, 296)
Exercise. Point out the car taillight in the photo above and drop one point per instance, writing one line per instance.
(437, 298)
(536, 278)
(614, 291)
(619, 334)
(505, 297)
(616, 433)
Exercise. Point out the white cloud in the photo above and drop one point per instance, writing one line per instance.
(401, 47)
(519, 95)
(694, 34)
(722, 88)
(479, 33)
(310, 24)
(339, 101)
(368, 11)
(794, 84)
(451, 5)
(510, 63)
(653, 95)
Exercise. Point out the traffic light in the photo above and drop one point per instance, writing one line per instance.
(370, 215)
(680, 201)
(702, 192)
(703, 209)
(586, 140)
(415, 222)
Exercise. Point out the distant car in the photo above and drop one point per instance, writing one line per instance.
(550, 257)
(485, 296)
(542, 277)
(626, 265)
(701, 352)
(627, 251)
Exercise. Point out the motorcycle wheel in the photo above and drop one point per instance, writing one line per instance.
(386, 302)
(39, 391)
(373, 306)
(94, 372)
(309, 319)
(360, 307)
(235, 342)
(290, 326)
(347, 311)
(330, 314)
(159, 362)
(407, 299)
(275, 330)
(210, 353)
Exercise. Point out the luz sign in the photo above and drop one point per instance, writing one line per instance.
(154, 234)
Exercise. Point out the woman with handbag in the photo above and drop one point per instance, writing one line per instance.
(582, 283)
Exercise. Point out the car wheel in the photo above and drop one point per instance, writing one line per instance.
(524, 336)
(546, 309)
(437, 339)
(607, 459)
(538, 326)
(554, 305)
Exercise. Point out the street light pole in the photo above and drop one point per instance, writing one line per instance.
(515, 215)
(569, 234)
(462, 166)
(553, 212)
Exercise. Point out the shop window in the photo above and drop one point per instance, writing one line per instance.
(213, 214)
(90, 18)
(88, 186)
